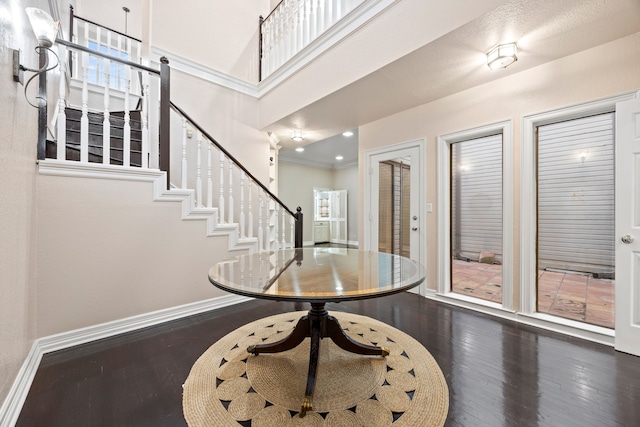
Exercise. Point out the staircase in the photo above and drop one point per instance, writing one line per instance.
(96, 120)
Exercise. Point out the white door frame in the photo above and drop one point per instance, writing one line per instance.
(372, 158)
(528, 218)
(627, 319)
(444, 210)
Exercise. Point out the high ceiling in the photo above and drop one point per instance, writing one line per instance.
(544, 30)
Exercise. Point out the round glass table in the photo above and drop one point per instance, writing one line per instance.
(317, 276)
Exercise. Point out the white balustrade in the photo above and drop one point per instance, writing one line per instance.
(62, 117)
(221, 198)
(84, 120)
(242, 217)
(199, 171)
(126, 130)
(185, 164)
(294, 24)
(209, 176)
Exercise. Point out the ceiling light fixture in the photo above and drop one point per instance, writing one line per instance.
(299, 149)
(347, 133)
(297, 136)
(339, 157)
(502, 56)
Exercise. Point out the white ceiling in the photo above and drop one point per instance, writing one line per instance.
(544, 30)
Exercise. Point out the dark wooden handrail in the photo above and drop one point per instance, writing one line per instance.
(73, 16)
(233, 159)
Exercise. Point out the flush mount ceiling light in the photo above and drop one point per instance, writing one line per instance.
(339, 157)
(297, 136)
(347, 133)
(502, 56)
(299, 149)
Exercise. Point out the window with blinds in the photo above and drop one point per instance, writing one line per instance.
(576, 194)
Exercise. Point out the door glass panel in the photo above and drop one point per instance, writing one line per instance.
(394, 204)
(476, 218)
(576, 249)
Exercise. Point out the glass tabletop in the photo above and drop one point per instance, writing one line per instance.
(317, 274)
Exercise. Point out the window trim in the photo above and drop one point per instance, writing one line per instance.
(444, 211)
(528, 214)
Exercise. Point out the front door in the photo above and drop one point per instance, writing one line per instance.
(628, 227)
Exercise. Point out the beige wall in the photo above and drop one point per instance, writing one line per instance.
(108, 251)
(596, 73)
(374, 45)
(295, 188)
(228, 116)
(18, 212)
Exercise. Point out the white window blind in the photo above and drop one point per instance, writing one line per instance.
(476, 197)
(576, 194)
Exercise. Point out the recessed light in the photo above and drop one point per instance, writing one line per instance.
(347, 133)
(339, 157)
(299, 149)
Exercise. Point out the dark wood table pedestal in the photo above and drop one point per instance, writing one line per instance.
(317, 324)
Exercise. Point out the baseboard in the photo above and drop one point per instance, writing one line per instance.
(12, 405)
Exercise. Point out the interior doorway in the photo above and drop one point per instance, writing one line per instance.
(395, 203)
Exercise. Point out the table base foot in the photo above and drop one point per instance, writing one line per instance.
(317, 324)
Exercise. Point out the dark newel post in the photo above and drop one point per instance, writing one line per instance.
(165, 147)
(260, 49)
(42, 104)
(298, 237)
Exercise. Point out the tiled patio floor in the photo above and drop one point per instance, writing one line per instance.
(572, 296)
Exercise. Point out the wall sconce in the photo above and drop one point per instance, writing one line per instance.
(297, 136)
(502, 56)
(45, 29)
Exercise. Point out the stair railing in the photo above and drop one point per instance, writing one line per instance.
(294, 24)
(221, 181)
(242, 201)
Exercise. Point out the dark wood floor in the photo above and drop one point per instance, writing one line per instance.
(499, 373)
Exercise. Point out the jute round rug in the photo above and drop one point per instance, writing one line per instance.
(229, 387)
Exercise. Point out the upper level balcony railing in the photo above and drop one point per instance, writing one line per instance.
(293, 25)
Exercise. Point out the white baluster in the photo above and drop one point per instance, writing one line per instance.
(242, 233)
(184, 154)
(230, 198)
(199, 171)
(276, 229)
(250, 233)
(106, 125)
(126, 141)
(209, 175)
(144, 159)
(76, 65)
(260, 231)
(292, 233)
(283, 229)
(84, 119)
(221, 198)
(62, 116)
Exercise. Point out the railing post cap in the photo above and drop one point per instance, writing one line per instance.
(298, 209)
(164, 60)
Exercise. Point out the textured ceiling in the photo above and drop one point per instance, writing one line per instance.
(545, 30)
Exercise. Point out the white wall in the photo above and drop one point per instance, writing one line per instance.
(595, 73)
